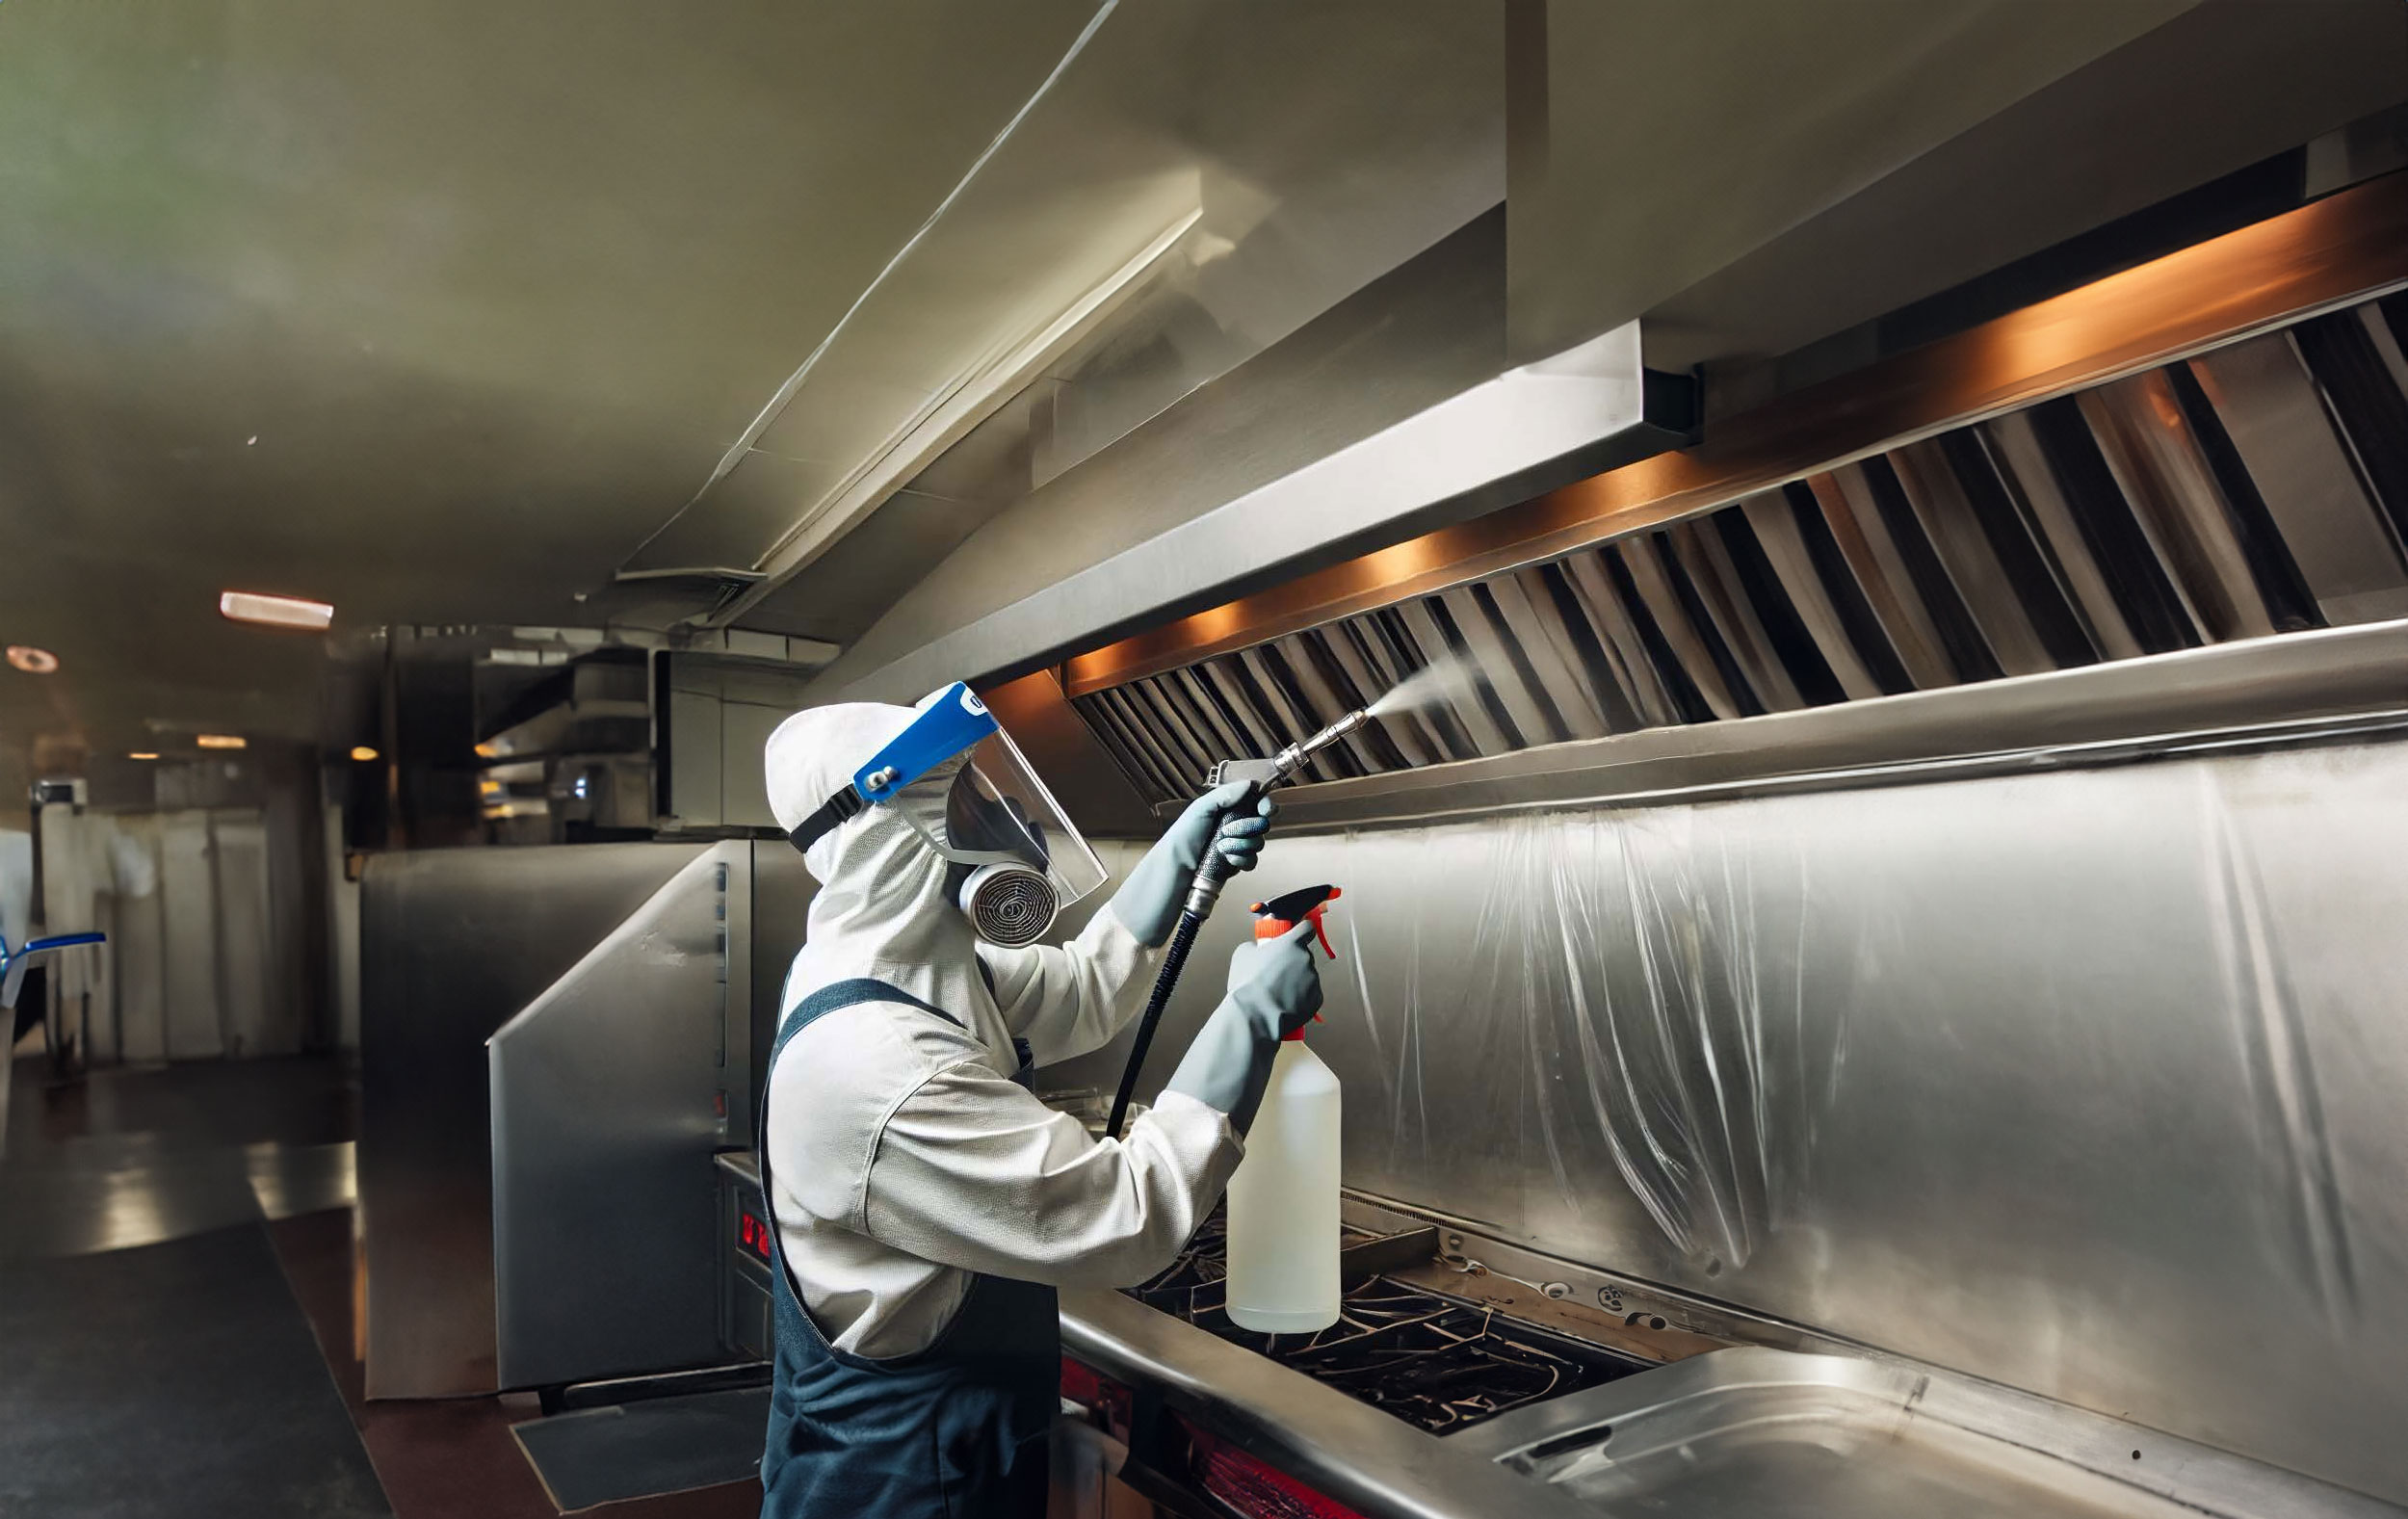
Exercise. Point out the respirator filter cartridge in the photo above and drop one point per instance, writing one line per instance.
(1010, 906)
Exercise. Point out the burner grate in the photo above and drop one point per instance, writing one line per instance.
(1431, 1361)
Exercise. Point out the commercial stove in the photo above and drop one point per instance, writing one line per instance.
(1469, 1376)
(1438, 1362)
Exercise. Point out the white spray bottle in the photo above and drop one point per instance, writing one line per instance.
(1283, 1202)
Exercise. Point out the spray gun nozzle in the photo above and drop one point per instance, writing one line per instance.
(1283, 766)
(1324, 739)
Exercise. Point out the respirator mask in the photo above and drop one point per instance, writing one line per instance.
(1013, 860)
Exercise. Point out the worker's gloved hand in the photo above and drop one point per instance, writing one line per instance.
(1274, 989)
(1224, 821)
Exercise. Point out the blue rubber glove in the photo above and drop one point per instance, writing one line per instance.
(1274, 989)
(1221, 819)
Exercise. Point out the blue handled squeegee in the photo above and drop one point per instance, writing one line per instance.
(13, 967)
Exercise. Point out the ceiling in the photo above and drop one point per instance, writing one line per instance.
(448, 312)
(434, 311)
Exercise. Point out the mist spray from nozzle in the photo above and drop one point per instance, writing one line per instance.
(1443, 680)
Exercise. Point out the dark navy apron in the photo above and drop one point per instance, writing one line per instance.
(959, 1428)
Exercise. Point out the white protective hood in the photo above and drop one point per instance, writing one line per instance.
(881, 911)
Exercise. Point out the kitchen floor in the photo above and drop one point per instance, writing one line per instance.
(175, 1316)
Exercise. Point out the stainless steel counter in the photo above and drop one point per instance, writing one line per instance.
(1750, 1433)
(1375, 1464)
(1745, 1431)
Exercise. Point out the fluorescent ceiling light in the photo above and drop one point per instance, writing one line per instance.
(363, 753)
(220, 741)
(275, 612)
(32, 661)
(138, 754)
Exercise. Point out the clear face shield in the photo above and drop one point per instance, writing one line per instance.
(1016, 859)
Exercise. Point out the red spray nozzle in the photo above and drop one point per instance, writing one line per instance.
(1282, 913)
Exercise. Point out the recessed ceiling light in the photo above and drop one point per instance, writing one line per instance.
(142, 756)
(220, 741)
(32, 661)
(363, 753)
(275, 612)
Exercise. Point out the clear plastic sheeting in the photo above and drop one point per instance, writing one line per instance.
(2088, 1082)
(1638, 979)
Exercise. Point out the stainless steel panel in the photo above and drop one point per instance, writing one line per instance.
(1508, 437)
(1609, 222)
(2082, 1081)
(1751, 1433)
(609, 1095)
(1706, 558)
(1773, 519)
(140, 938)
(2269, 401)
(745, 1326)
(251, 1000)
(1948, 519)
(2016, 443)
(1848, 504)
(782, 889)
(189, 905)
(2156, 461)
(1196, 184)
(697, 768)
(453, 942)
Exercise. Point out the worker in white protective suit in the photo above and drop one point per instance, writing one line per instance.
(927, 1203)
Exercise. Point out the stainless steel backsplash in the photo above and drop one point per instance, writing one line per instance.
(2088, 1080)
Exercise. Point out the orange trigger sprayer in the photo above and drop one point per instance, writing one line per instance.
(1280, 914)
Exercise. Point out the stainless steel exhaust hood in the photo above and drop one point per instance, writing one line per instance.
(1393, 413)
(2205, 502)
(2226, 494)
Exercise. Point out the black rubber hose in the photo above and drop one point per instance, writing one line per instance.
(1181, 940)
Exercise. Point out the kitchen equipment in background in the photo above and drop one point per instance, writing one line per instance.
(543, 1210)
(609, 1092)
(745, 1326)
(1283, 1202)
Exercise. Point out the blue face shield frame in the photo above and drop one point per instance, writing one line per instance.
(1000, 820)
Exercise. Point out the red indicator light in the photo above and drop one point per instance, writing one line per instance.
(752, 1234)
(1256, 1489)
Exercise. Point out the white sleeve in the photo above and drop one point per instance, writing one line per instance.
(973, 1171)
(1070, 1000)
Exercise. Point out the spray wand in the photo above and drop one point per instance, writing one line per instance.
(1204, 890)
